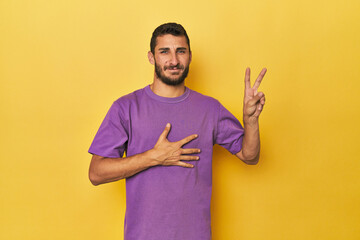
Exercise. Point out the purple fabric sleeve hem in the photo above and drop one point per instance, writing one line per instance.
(234, 150)
(103, 155)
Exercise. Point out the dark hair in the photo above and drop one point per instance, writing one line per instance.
(168, 28)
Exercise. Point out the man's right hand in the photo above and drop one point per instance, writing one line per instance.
(103, 169)
(170, 153)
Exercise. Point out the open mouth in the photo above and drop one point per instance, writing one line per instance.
(174, 68)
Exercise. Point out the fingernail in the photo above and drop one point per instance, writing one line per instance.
(168, 125)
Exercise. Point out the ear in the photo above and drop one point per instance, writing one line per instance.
(190, 57)
(151, 57)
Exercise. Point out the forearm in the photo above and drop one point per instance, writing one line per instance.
(253, 105)
(104, 170)
(250, 151)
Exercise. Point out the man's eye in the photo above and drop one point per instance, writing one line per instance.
(181, 51)
(163, 51)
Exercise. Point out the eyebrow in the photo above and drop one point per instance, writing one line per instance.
(179, 48)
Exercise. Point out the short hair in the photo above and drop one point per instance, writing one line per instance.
(168, 28)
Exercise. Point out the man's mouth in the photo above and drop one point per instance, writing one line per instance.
(173, 68)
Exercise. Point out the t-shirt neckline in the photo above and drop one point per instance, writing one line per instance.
(181, 98)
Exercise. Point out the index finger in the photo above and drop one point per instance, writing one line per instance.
(259, 79)
(247, 78)
(187, 139)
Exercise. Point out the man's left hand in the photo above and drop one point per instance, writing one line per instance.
(254, 101)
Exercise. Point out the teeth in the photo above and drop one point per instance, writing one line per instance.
(173, 68)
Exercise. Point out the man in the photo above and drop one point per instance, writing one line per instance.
(168, 171)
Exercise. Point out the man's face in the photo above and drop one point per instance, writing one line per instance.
(171, 59)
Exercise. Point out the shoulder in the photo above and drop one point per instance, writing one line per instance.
(207, 103)
(123, 104)
(130, 98)
(204, 99)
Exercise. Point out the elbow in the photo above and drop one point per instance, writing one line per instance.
(93, 173)
(252, 160)
(94, 182)
(94, 179)
(249, 158)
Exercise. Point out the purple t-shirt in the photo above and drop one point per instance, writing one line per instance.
(167, 202)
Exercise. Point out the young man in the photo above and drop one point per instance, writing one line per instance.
(169, 171)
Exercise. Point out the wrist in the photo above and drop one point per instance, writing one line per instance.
(251, 121)
(151, 156)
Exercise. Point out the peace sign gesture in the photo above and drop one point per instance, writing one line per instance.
(253, 100)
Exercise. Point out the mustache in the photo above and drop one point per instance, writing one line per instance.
(177, 66)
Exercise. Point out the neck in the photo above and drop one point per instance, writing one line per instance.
(164, 90)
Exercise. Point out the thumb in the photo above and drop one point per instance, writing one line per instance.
(256, 99)
(166, 131)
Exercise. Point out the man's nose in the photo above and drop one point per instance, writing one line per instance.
(174, 59)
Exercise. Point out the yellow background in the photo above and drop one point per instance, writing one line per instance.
(62, 64)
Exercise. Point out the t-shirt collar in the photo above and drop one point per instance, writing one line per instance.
(156, 97)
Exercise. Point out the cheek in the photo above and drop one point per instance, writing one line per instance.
(161, 58)
(161, 62)
(185, 60)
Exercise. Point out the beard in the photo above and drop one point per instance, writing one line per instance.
(172, 81)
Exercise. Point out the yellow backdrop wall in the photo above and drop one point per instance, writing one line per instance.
(62, 64)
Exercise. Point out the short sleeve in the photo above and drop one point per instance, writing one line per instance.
(112, 136)
(229, 133)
